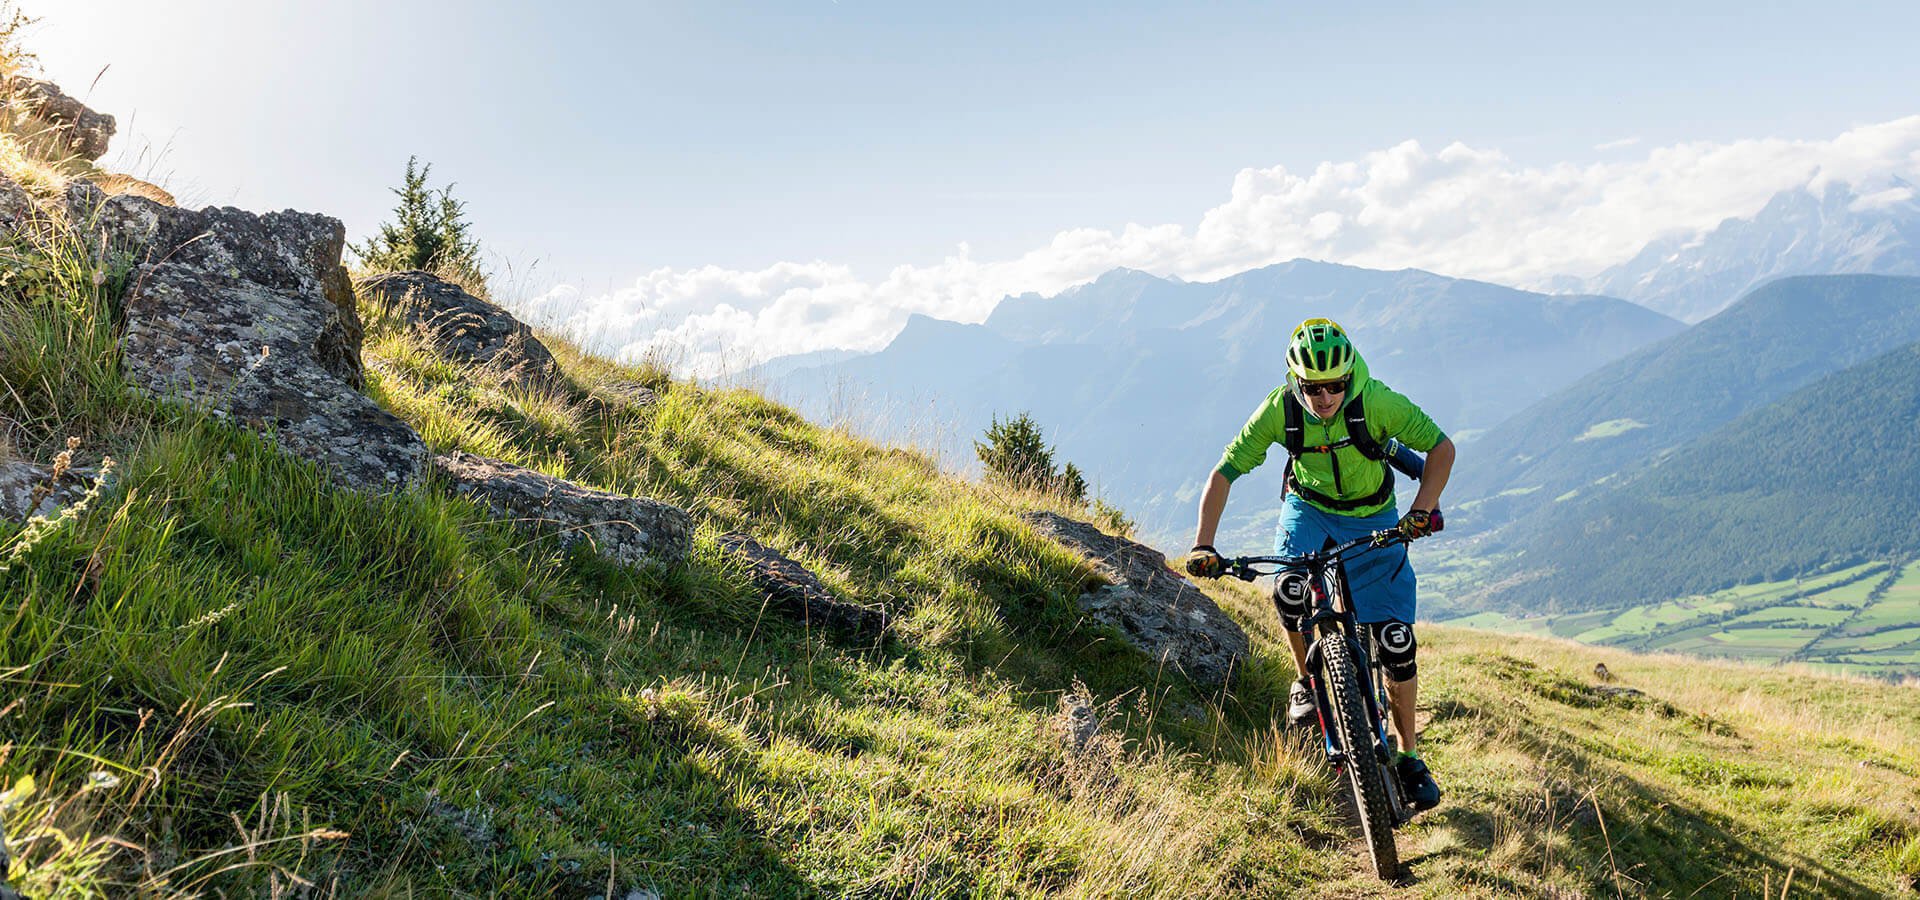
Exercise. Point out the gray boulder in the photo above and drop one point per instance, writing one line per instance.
(620, 396)
(466, 328)
(629, 530)
(252, 317)
(64, 124)
(1156, 610)
(798, 593)
(17, 209)
(1076, 721)
(28, 490)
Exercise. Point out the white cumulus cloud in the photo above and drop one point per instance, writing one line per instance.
(1460, 211)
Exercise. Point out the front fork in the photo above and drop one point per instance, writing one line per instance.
(1325, 626)
(1328, 624)
(1323, 705)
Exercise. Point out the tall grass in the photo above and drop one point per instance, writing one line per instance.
(59, 337)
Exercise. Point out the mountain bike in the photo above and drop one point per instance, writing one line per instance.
(1349, 685)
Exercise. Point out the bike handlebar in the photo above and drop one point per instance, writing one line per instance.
(1242, 567)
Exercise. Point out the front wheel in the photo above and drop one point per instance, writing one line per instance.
(1365, 771)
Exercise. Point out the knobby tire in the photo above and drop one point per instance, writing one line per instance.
(1364, 771)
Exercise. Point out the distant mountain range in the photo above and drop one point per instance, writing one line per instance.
(1142, 380)
(1822, 477)
(1652, 401)
(1837, 231)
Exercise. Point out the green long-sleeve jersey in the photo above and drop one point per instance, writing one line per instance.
(1389, 415)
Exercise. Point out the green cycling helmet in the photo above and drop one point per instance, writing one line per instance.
(1319, 351)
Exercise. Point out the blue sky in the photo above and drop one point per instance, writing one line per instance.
(608, 141)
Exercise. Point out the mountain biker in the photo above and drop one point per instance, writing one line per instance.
(1338, 489)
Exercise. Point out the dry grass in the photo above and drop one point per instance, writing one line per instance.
(41, 179)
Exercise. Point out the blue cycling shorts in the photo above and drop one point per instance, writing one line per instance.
(1380, 580)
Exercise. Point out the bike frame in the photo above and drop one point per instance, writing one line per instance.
(1330, 617)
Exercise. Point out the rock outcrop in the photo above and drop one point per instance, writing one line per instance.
(1158, 611)
(28, 490)
(1076, 721)
(253, 317)
(65, 125)
(615, 397)
(629, 530)
(798, 594)
(466, 328)
(17, 209)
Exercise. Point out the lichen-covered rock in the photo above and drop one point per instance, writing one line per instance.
(16, 206)
(1076, 721)
(1156, 610)
(67, 126)
(798, 593)
(629, 530)
(28, 490)
(253, 317)
(466, 328)
(619, 396)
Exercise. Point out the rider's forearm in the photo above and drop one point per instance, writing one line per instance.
(1434, 479)
(1213, 501)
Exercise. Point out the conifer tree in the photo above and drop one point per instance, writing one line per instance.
(1071, 485)
(429, 231)
(1015, 453)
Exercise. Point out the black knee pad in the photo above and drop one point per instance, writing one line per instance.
(1291, 592)
(1395, 642)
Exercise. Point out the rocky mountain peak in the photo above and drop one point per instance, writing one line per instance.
(1838, 229)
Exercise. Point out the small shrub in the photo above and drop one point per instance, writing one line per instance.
(1015, 453)
(429, 231)
(1071, 485)
(1112, 519)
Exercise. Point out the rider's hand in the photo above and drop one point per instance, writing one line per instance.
(1205, 562)
(1419, 523)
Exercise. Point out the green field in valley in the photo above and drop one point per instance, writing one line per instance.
(1863, 619)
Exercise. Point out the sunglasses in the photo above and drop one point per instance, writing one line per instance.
(1330, 388)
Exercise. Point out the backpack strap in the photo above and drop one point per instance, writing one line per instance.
(1357, 430)
(1294, 436)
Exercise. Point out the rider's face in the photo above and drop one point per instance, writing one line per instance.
(1324, 397)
